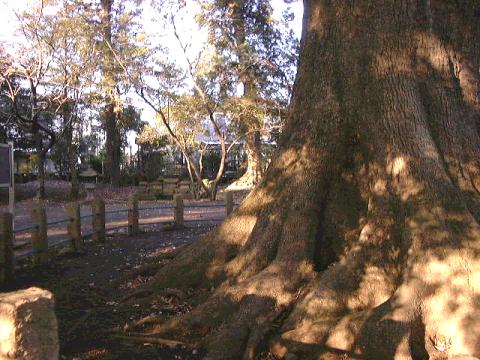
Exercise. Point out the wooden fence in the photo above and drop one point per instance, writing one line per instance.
(38, 229)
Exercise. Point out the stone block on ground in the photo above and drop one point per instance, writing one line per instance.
(28, 326)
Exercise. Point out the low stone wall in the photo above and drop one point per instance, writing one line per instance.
(165, 187)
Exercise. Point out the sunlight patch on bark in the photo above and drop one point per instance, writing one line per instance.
(398, 165)
(448, 305)
(392, 62)
(238, 228)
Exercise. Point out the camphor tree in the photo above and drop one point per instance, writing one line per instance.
(363, 237)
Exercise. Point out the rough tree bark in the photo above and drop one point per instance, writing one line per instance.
(363, 238)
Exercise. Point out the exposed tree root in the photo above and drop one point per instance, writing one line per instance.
(150, 266)
(152, 339)
(79, 322)
(137, 293)
(146, 320)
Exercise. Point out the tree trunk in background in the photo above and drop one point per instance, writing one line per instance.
(37, 136)
(109, 115)
(41, 176)
(112, 146)
(72, 157)
(363, 238)
(252, 139)
(253, 149)
(255, 163)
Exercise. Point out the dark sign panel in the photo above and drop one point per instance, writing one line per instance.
(5, 165)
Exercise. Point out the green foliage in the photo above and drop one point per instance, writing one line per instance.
(154, 165)
(250, 66)
(96, 163)
(211, 161)
(83, 56)
(59, 156)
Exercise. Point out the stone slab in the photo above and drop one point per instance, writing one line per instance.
(28, 325)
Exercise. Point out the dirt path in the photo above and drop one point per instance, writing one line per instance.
(88, 298)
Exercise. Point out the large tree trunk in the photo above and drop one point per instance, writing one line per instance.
(363, 238)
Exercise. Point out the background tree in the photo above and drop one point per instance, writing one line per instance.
(74, 70)
(119, 44)
(112, 103)
(187, 119)
(9, 131)
(212, 87)
(251, 68)
(362, 239)
(32, 71)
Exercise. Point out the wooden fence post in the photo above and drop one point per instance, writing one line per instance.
(7, 257)
(98, 220)
(39, 234)
(74, 225)
(228, 202)
(133, 215)
(178, 213)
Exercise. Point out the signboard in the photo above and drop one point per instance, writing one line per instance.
(5, 166)
(6, 173)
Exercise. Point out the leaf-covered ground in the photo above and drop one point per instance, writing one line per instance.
(91, 291)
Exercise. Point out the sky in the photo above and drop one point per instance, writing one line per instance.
(191, 34)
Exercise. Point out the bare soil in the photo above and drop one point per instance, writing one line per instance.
(89, 294)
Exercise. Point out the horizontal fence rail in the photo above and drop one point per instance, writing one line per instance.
(164, 207)
(61, 221)
(25, 228)
(116, 211)
(38, 230)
